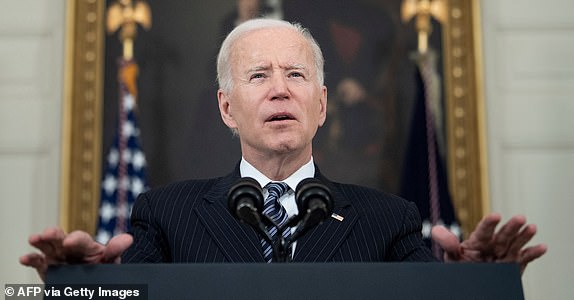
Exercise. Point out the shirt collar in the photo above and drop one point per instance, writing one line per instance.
(306, 171)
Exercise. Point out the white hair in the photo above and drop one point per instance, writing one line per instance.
(224, 77)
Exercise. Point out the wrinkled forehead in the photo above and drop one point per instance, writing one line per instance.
(281, 45)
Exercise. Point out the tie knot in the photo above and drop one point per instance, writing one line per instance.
(276, 189)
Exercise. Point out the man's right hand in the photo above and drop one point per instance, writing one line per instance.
(78, 247)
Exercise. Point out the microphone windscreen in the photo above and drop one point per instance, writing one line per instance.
(245, 191)
(311, 191)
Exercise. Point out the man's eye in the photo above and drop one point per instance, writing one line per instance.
(296, 74)
(257, 76)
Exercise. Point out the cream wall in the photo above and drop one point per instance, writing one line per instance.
(31, 68)
(529, 79)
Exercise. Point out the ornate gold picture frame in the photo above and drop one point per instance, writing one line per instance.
(82, 117)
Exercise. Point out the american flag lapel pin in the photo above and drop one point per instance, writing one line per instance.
(337, 217)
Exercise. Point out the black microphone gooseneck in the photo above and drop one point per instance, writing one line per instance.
(313, 198)
(245, 202)
(315, 205)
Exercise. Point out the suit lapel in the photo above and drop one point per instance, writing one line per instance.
(238, 241)
(319, 244)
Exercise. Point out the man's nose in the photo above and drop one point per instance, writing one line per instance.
(279, 87)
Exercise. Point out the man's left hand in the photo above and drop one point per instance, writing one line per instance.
(486, 244)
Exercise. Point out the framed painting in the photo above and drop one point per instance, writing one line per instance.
(369, 74)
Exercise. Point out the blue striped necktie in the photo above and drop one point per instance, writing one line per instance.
(275, 211)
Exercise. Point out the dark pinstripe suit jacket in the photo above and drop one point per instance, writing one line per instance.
(188, 222)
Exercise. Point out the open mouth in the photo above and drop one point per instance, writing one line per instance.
(280, 117)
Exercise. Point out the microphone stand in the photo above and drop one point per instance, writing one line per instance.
(281, 246)
(245, 201)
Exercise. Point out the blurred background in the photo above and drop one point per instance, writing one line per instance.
(528, 88)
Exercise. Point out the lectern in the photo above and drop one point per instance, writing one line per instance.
(303, 280)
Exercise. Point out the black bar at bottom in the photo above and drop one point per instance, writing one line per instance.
(305, 281)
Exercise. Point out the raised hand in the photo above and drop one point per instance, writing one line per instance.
(78, 247)
(485, 244)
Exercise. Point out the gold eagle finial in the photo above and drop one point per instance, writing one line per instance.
(423, 10)
(126, 14)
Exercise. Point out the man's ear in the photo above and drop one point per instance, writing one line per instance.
(323, 106)
(225, 109)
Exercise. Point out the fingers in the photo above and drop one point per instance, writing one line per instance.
(115, 247)
(517, 242)
(507, 244)
(448, 242)
(531, 253)
(511, 239)
(511, 236)
(32, 260)
(80, 247)
(482, 237)
(49, 242)
(58, 248)
(36, 261)
(83, 248)
(77, 247)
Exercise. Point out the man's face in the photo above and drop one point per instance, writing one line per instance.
(276, 103)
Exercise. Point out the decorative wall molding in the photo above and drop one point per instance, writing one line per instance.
(82, 118)
(467, 164)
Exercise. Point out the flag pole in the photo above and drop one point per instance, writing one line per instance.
(124, 174)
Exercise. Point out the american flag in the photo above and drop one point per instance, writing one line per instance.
(124, 174)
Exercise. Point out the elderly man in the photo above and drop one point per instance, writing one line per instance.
(272, 96)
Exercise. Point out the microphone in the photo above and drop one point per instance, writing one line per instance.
(245, 201)
(315, 204)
